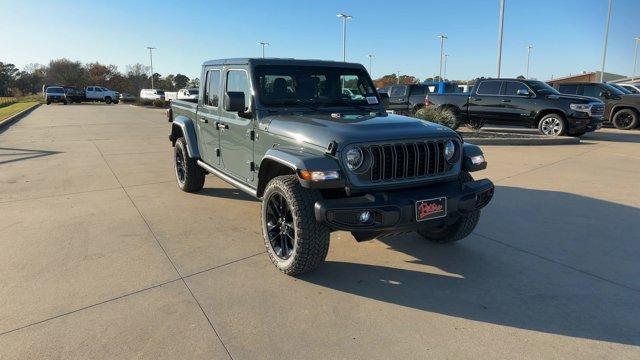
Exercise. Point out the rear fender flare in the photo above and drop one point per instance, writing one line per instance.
(183, 126)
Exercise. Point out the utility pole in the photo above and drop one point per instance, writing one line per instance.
(263, 45)
(151, 59)
(371, 56)
(444, 76)
(528, 58)
(606, 37)
(442, 38)
(635, 58)
(500, 31)
(398, 77)
(344, 17)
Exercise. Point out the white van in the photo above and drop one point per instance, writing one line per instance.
(152, 94)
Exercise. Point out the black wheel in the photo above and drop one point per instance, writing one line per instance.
(457, 231)
(295, 242)
(552, 125)
(625, 119)
(64, 102)
(48, 102)
(107, 100)
(190, 176)
(117, 101)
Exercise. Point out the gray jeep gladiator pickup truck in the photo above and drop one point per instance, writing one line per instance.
(321, 159)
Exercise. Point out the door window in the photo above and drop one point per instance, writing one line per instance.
(90, 88)
(98, 89)
(237, 81)
(591, 90)
(398, 91)
(489, 88)
(568, 89)
(512, 87)
(212, 89)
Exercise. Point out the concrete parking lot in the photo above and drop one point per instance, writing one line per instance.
(102, 257)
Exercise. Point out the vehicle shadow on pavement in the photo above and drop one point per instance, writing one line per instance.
(631, 136)
(504, 282)
(9, 155)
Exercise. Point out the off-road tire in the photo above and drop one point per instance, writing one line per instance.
(48, 102)
(562, 123)
(107, 100)
(311, 238)
(194, 175)
(457, 231)
(625, 114)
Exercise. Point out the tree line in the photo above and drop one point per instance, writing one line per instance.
(16, 82)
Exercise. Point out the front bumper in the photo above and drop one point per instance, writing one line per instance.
(396, 211)
(584, 123)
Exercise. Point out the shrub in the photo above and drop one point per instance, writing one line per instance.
(144, 102)
(437, 115)
(159, 103)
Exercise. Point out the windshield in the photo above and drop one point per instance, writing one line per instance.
(315, 86)
(621, 88)
(55, 90)
(159, 92)
(543, 88)
(613, 89)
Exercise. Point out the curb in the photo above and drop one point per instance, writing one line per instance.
(18, 116)
(524, 141)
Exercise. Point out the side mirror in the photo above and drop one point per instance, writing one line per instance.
(604, 94)
(234, 101)
(523, 92)
(385, 99)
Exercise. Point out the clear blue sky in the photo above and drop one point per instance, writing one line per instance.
(567, 35)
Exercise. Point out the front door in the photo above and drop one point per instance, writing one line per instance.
(209, 116)
(236, 129)
(518, 109)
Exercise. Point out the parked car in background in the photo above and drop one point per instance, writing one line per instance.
(188, 94)
(152, 94)
(101, 94)
(321, 161)
(406, 99)
(74, 95)
(442, 87)
(621, 88)
(634, 87)
(529, 103)
(55, 94)
(126, 97)
(170, 95)
(622, 110)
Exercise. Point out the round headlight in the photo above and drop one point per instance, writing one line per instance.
(354, 158)
(449, 150)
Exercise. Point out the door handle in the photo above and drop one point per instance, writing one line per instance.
(203, 119)
(506, 100)
(222, 126)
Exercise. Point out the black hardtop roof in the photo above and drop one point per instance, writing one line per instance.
(282, 61)
(508, 79)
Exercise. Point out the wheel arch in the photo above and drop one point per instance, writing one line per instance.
(617, 108)
(183, 126)
(271, 167)
(545, 112)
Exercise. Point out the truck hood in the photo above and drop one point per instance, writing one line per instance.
(581, 99)
(321, 129)
(631, 98)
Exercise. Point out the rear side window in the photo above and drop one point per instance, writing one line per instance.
(212, 89)
(398, 91)
(512, 87)
(489, 88)
(90, 88)
(568, 89)
(591, 90)
(419, 90)
(237, 80)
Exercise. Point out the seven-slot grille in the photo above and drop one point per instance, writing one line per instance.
(407, 160)
(597, 110)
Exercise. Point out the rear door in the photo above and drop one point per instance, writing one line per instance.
(485, 103)
(208, 117)
(236, 130)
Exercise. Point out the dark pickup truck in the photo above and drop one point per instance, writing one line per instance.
(313, 141)
(620, 109)
(528, 103)
(406, 99)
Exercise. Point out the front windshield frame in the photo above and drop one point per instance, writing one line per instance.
(542, 88)
(612, 89)
(320, 74)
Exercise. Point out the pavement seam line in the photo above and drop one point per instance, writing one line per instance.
(584, 272)
(144, 219)
(89, 306)
(225, 264)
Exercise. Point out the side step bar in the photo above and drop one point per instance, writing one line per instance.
(228, 178)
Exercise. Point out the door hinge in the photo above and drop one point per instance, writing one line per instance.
(218, 152)
(251, 134)
(252, 166)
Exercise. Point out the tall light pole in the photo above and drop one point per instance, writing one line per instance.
(442, 37)
(529, 48)
(444, 76)
(344, 17)
(635, 58)
(500, 31)
(263, 45)
(606, 37)
(151, 59)
(370, 56)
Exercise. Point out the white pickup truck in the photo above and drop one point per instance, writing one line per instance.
(190, 94)
(102, 94)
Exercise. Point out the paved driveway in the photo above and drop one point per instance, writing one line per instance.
(101, 256)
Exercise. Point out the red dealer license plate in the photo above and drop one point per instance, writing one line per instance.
(431, 209)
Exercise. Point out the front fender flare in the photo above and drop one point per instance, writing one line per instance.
(188, 130)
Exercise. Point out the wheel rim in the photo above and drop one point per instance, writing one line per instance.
(623, 119)
(551, 126)
(181, 169)
(280, 230)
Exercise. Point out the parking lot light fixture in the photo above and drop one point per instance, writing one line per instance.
(151, 60)
(606, 37)
(529, 48)
(442, 37)
(344, 17)
(635, 58)
(444, 73)
(500, 31)
(263, 45)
